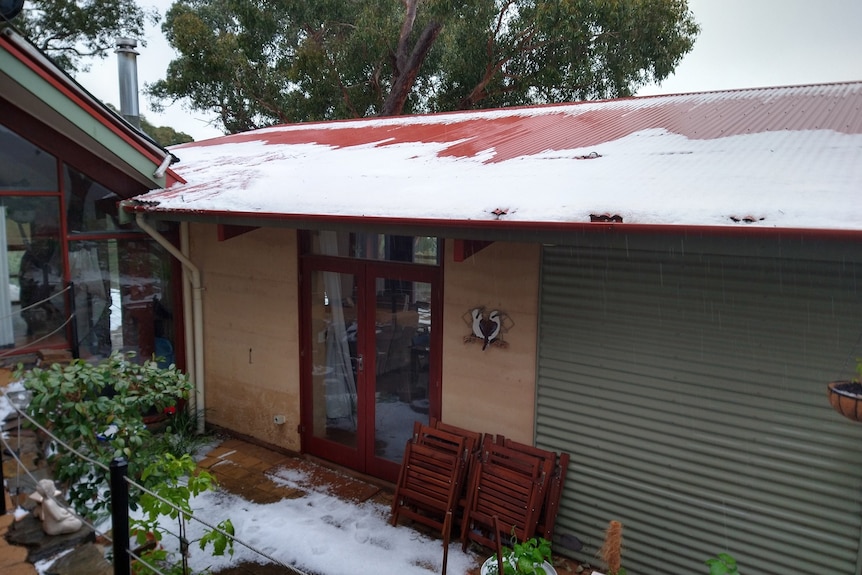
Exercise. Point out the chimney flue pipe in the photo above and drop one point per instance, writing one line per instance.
(127, 66)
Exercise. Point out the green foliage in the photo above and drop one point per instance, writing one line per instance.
(722, 564)
(257, 63)
(175, 481)
(524, 558)
(71, 31)
(219, 540)
(164, 135)
(97, 409)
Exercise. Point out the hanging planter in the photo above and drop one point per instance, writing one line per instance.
(845, 397)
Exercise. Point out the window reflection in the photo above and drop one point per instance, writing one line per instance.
(23, 166)
(123, 298)
(122, 294)
(414, 249)
(34, 263)
(90, 207)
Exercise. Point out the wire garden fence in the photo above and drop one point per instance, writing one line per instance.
(123, 556)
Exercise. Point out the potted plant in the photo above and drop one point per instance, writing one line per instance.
(722, 564)
(532, 557)
(846, 396)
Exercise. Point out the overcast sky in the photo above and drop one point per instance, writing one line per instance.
(742, 44)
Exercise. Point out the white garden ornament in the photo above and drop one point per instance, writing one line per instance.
(56, 519)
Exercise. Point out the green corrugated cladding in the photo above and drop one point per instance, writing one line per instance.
(80, 118)
(688, 383)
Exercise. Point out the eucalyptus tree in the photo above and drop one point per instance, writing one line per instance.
(261, 62)
(73, 32)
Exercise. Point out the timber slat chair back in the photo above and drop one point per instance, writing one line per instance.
(429, 481)
(506, 490)
(553, 489)
(475, 441)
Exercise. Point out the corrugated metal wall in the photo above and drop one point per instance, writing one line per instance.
(690, 390)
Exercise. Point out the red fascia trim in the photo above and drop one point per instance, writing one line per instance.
(743, 230)
(52, 78)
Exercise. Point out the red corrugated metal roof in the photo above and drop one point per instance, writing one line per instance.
(769, 157)
(517, 132)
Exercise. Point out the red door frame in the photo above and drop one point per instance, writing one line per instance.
(362, 458)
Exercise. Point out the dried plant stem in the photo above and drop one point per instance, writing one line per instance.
(610, 552)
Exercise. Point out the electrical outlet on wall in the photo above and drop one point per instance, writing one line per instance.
(278, 419)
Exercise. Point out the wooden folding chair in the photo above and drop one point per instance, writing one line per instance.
(506, 489)
(474, 443)
(429, 479)
(554, 488)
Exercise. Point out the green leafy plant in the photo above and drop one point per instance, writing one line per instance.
(722, 564)
(176, 481)
(181, 436)
(524, 558)
(97, 409)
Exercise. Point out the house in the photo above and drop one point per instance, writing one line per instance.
(674, 279)
(79, 277)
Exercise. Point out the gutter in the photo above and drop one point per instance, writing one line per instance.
(483, 229)
(193, 324)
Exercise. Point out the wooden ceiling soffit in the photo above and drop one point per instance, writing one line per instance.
(466, 248)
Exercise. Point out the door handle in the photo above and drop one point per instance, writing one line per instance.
(360, 362)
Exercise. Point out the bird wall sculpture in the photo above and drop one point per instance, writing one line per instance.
(487, 328)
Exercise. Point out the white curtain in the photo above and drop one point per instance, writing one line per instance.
(7, 334)
(341, 399)
(91, 299)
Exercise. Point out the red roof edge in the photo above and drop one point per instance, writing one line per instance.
(741, 230)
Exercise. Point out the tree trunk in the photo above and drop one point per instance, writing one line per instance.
(406, 69)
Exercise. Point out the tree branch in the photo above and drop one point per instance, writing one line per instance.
(479, 91)
(411, 7)
(406, 76)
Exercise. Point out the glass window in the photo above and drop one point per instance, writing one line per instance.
(32, 305)
(123, 298)
(23, 166)
(413, 249)
(90, 207)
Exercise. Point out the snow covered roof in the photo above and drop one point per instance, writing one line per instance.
(768, 158)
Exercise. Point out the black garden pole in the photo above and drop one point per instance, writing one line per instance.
(120, 516)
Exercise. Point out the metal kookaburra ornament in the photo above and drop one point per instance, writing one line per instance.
(487, 328)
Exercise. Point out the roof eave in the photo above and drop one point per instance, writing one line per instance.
(484, 228)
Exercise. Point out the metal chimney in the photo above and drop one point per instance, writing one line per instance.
(127, 65)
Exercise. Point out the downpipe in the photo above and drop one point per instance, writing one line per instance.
(196, 329)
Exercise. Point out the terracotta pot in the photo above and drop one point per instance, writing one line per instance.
(847, 403)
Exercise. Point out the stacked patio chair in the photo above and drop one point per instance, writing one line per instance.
(554, 489)
(430, 480)
(476, 438)
(505, 495)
